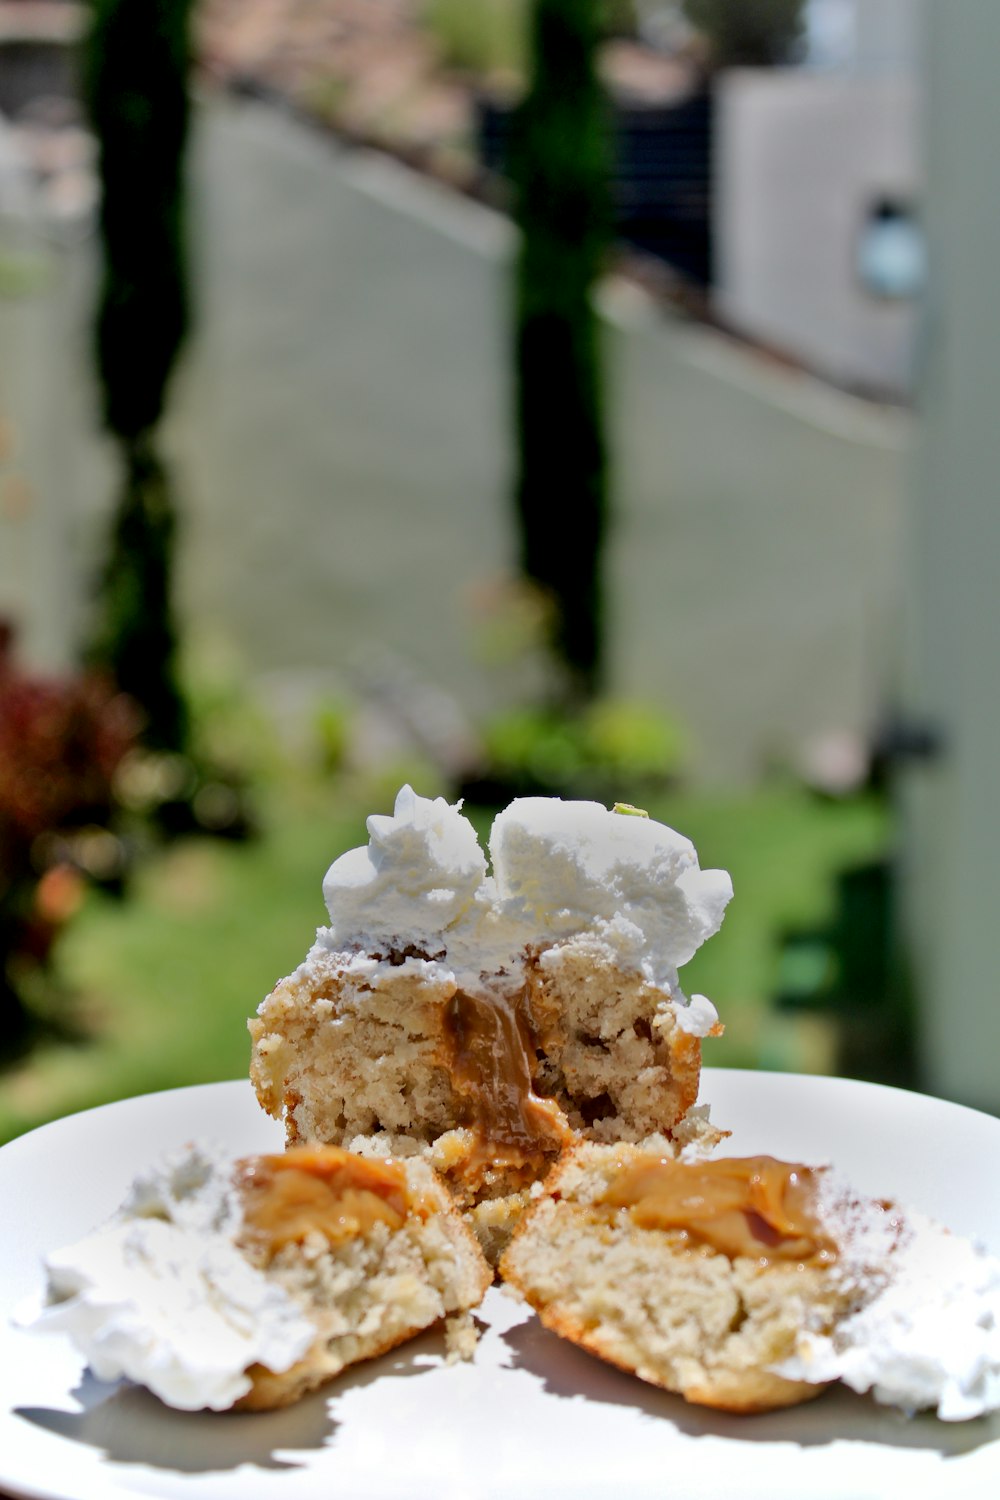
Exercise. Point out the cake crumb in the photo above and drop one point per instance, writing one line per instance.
(461, 1335)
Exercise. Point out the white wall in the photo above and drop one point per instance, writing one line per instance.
(886, 33)
(863, 35)
(800, 158)
(952, 804)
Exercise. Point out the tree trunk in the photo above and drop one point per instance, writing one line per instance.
(137, 62)
(560, 155)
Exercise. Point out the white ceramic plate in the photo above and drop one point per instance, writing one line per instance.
(532, 1416)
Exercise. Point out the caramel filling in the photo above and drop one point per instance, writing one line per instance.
(320, 1190)
(490, 1067)
(753, 1205)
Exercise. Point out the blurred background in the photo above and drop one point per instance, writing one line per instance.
(584, 397)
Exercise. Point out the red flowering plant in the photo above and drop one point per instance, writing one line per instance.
(61, 743)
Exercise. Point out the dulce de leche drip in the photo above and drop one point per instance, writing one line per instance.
(752, 1205)
(490, 1069)
(316, 1189)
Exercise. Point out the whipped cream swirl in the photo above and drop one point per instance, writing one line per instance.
(565, 868)
(418, 874)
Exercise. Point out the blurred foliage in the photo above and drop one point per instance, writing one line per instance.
(748, 33)
(492, 36)
(332, 728)
(164, 983)
(634, 740)
(169, 795)
(560, 170)
(208, 787)
(487, 36)
(607, 750)
(230, 728)
(62, 741)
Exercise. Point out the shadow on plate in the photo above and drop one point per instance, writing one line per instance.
(130, 1426)
(838, 1415)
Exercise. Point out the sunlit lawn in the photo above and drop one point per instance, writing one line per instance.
(163, 983)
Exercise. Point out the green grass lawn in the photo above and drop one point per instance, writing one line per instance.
(161, 985)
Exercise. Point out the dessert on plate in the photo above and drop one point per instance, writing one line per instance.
(750, 1283)
(486, 1021)
(512, 1053)
(248, 1283)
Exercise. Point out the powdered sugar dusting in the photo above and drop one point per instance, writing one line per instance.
(925, 1332)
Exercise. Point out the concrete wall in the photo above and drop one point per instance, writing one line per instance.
(800, 159)
(43, 435)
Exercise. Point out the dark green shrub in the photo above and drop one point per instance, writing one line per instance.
(612, 749)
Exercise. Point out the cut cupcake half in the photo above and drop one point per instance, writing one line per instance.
(751, 1283)
(221, 1284)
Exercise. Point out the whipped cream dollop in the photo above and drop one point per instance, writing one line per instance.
(569, 867)
(161, 1295)
(562, 870)
(929, 1337)
(418, 874)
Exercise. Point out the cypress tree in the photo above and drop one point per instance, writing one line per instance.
(560, 169)
(136, 66)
